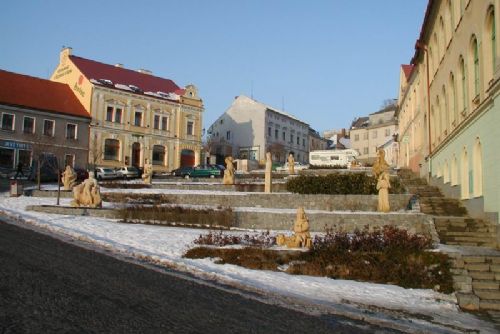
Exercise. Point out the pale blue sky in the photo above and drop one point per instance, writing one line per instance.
(329, 61)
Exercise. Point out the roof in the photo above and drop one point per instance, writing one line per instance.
(407, 69)
(92, 69)
(359, 122)
(423, 31)
(40, 94)
(243, 97)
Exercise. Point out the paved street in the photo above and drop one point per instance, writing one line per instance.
(47, 286)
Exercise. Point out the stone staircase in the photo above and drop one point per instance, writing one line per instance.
(475, 262)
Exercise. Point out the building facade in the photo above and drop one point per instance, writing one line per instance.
(135, 115)
(368, 134)
(40, 117)
(248, 129)
(456, 67)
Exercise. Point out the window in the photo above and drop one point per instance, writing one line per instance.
(291, 138)
(269, 131)
(71, 131)
(228, 135)
(464, 85)
(475, 54)
(156, 123)
(454, 114)
(164, 123)
(365, 135)
(298, 140)
(356, 137)
(118, 115)
(69, 160)
(48, 127)
(6, 158)
(303, 142)
(28, 125)
(493, 38)
(374, 134)
(276, 133)
(138, 118)
(387, 132)
(190, 128)
(25, 157)
(284, 135)
(7, 121)
(158, 155)
(111, 149)
(109, 114)
(365, 150)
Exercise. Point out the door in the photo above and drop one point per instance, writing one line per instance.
(136, 154)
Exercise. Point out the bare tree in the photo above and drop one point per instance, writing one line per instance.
(96, 152)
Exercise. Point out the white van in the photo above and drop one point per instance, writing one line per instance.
(329, 158)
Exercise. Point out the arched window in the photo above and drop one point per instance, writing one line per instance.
(431, 60)
(490, 46)
(446, 172)
(477, 169)
(463, 81)
(475, 61)
(452, 17)
(454, 171)
(464, 174)
(453, 102)
(437, 51)
(159, 155)
(111, 149)
(443, 39)
(437, 120)
(446, 112)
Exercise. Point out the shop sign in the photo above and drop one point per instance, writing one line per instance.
(15, 145)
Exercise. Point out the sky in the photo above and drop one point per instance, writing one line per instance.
(325, 62)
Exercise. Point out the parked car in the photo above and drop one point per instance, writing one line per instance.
(206, 171)
(219, 167)
(127, 172)
(298, 166)
(102, 173)
(182, 171)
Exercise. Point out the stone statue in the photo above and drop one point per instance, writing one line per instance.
(380, 165)
(383, 186)
(147, 175)
(301, 237)
(87, 193)
(291, 164)
(69, 178)
(229, 172)
(268, 175)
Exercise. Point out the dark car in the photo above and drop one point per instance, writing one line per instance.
(182, 171)
(206, 171)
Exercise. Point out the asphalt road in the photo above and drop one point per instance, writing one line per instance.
(48, 286)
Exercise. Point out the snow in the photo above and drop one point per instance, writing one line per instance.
(166, 245)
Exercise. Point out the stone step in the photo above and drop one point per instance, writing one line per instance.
(485, 285)
(469, 234)
(487, 294)
(482, 275)
(489, 305)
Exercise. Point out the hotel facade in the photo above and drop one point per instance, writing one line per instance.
(135, 115)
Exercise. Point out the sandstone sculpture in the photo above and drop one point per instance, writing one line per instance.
(268, 175)
(229, 172)
(87, 193)
(301, 237)
(147, 175)
(291, 164)
(380, 165)
(383, 186)
(69, 178)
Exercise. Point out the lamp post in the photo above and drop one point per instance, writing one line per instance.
(421, 46)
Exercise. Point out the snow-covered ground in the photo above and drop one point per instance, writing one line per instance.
(419, 308)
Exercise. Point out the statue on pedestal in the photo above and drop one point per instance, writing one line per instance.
(147, 175)
(301, 237)
(87, 193)
(229, 171)
(380, 165)
(383, 186)
(268, 175)
(69, 178)
(291, 164)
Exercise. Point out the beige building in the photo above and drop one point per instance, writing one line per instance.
(449, 113)
(368, 134)
(135, 115)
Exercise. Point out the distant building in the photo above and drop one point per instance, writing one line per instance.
(368, 134)
(40, 117)
(316, 142)
(248, 129)
(338, 139)
(135, 115)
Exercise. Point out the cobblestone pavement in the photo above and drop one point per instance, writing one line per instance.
(47, 286)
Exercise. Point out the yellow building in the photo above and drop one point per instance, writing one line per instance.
(135, 115)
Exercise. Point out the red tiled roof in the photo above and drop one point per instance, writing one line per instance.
(119, 75)
(36, 93)
(407, 70)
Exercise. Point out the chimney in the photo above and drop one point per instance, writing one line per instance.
(143, 71)
(120, 65)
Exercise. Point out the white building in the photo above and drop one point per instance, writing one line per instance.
(248, 129)
(368, 134)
